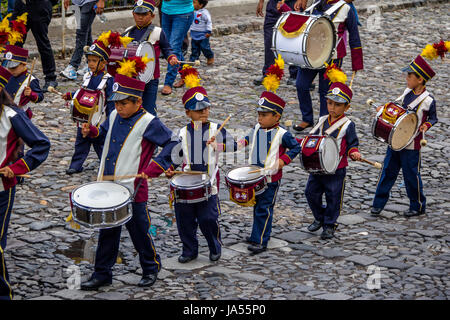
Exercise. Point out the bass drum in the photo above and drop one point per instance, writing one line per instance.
(304, 39)
(134, 49)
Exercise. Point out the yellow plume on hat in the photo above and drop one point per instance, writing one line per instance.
(435, 50)
(274, 74)
(190, 76)
(334, 74)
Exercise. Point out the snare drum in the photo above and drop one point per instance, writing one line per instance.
(395, 126)
(101, 204)
(320, 154)
(82, 104)
(245, 186)
(189, 188)
(304, 39)
(132, 50)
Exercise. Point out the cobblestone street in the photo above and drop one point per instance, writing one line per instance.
(409, 257)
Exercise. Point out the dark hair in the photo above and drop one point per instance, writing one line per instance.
(419, 77)
(203, 3)
(132, 99)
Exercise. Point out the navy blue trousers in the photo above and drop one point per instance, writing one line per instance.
(201, 46)
(333, 186)
(269, 23)
(6, 204)
(409, 162)
(205, 215)
(82, 148)
(263, 214)
(149, 96)
(109, 240)
(305, 77)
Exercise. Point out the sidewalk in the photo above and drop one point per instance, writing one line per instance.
(229, 17)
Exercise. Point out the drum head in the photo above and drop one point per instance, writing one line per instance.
(101, 195)
(242, 174)
(320, 42)
(146, 48)
(330, 154)
(99, 116)
(190, 180)
(404, 131)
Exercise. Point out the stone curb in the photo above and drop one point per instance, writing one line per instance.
(252, 25)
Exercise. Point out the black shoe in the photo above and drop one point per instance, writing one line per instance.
(94, 284)
(257, 248)
(327, 233)
(183, 259)
(247, 239)
(312, 87)
(316, 225)
(413, 213)
(291, 82)
(47, 84)
(302, 126)
(214, 257)
(258, 81)
(375, 211)
(148, 280)
(72, 171)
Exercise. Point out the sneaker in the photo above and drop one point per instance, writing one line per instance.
(83, 71)
(69, 72)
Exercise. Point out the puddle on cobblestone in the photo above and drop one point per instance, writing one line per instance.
(84, 250)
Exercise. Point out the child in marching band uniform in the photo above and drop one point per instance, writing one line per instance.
(15, 60)
(144, 30)
(97, 78)
(198, 153)
(415, 98)
(14, 125)
(269, 143)
(336, 125)
(130, 136)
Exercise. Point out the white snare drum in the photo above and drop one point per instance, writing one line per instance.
(189, 188)
(304, 39)
(134, 49)
(101, 204)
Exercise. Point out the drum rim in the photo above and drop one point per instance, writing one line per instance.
(321, 146)
(207, 183)
(399, 120)
(105, 225)
(315, 17)
(138, 51)
(129, 200)
(252, 181)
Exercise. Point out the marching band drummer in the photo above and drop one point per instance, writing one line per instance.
(417, 98)
(15, 60)
(198, 153)
(271, 147)
(144, 30)
(333, 185)
(96, 79)
(344, 18)
(130, 136)
(14, 125)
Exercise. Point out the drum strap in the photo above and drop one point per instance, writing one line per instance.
(22, 88)
(335, 8)
(336, 125)
(418, 100)
(318, 125)
(144, 37)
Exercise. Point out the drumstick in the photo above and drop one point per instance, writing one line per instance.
(353, 78)
(423, 141)
(375, 164)
(20, 175)
(221, 127)
(195, 63)
(256, 171)
(31, 71)
(53, 90)
(69, 187)
(187, 172)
